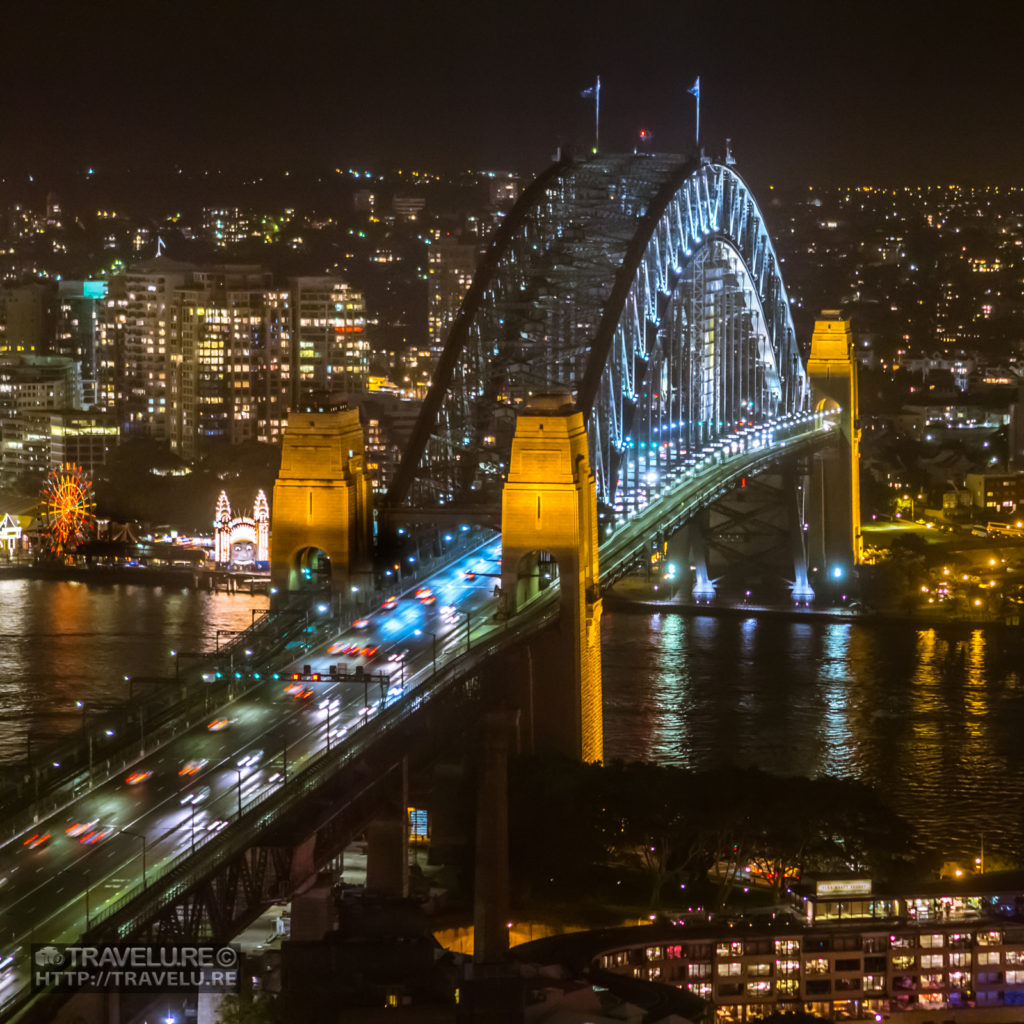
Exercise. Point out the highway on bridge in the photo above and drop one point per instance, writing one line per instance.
(56, 878)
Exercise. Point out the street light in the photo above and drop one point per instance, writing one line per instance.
(420, 632)
(139, 835)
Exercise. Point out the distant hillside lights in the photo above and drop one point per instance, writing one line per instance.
(242, 540)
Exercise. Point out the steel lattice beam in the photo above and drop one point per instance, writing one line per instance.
(647, 285)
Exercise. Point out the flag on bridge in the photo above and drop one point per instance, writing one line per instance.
(595, 91)
(694, 91)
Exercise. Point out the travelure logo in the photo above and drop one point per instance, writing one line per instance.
(141, 968)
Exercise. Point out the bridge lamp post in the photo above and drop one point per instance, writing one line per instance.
(238, 772)
(139, 835)
(433, 636)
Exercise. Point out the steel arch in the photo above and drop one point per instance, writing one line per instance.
(647, 285)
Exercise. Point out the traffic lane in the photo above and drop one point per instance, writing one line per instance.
(454, 582)
(117, 806)
(476, 571)
(81, 880)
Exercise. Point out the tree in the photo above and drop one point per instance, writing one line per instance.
(650, 820)
(555, 829)
(244, 1008)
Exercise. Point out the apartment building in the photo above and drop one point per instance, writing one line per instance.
(859, 956)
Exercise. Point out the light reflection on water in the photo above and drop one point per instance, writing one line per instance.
(62, 642)
(934, 720)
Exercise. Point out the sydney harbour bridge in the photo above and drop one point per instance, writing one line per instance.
(623, 365)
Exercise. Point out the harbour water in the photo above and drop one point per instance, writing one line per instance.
(933, 718)
(61, 642)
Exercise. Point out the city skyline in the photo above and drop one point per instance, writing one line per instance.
(871, 93)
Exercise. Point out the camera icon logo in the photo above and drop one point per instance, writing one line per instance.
(49, 956)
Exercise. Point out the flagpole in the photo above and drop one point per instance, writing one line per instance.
(597, 115)
(695, 93)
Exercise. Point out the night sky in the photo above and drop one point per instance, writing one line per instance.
(838, 91)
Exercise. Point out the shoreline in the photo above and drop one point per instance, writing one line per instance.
(169, 576)
(615, 602)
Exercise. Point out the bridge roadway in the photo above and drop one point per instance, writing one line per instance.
(99, 848)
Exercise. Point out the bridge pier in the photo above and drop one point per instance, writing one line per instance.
(549, 522)
(387, 845)
(834, 507)
(751, 538)
(320, 525)
(697, 535)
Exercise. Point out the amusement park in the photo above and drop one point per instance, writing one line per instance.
(64, 530)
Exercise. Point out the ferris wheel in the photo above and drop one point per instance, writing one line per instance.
(68, 506)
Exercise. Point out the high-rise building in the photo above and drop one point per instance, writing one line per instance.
(230, 359)
(84, 438)
(31, 388)
(29, 318)
(331, 347)
(451, 264)
(80, 309)
(133, 355)
(189, 354)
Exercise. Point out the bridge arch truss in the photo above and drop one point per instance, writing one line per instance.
(646, 285)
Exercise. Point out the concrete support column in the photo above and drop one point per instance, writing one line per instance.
(387, 845)
(387, 856)
(491, 898)
(703, 587)
(322, 501)
(834, 508)
(794, 486)
(549, 518)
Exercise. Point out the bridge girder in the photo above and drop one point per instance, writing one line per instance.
(649, 287)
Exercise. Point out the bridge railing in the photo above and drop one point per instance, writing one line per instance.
(182, 873)
(108, 742)
(700, 485)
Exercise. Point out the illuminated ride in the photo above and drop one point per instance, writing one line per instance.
(68, 508)
(647, 285)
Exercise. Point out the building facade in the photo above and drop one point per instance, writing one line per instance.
(192, 355)
(332, 352)
(858, 956)
(452, 263)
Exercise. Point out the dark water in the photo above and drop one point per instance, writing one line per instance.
(62, 642)
(936, 720)
(933, 719)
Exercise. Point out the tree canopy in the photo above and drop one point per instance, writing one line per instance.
(676, 827)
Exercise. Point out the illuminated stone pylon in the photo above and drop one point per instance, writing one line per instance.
(834, 512)
(321, 505)
(549, 512)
